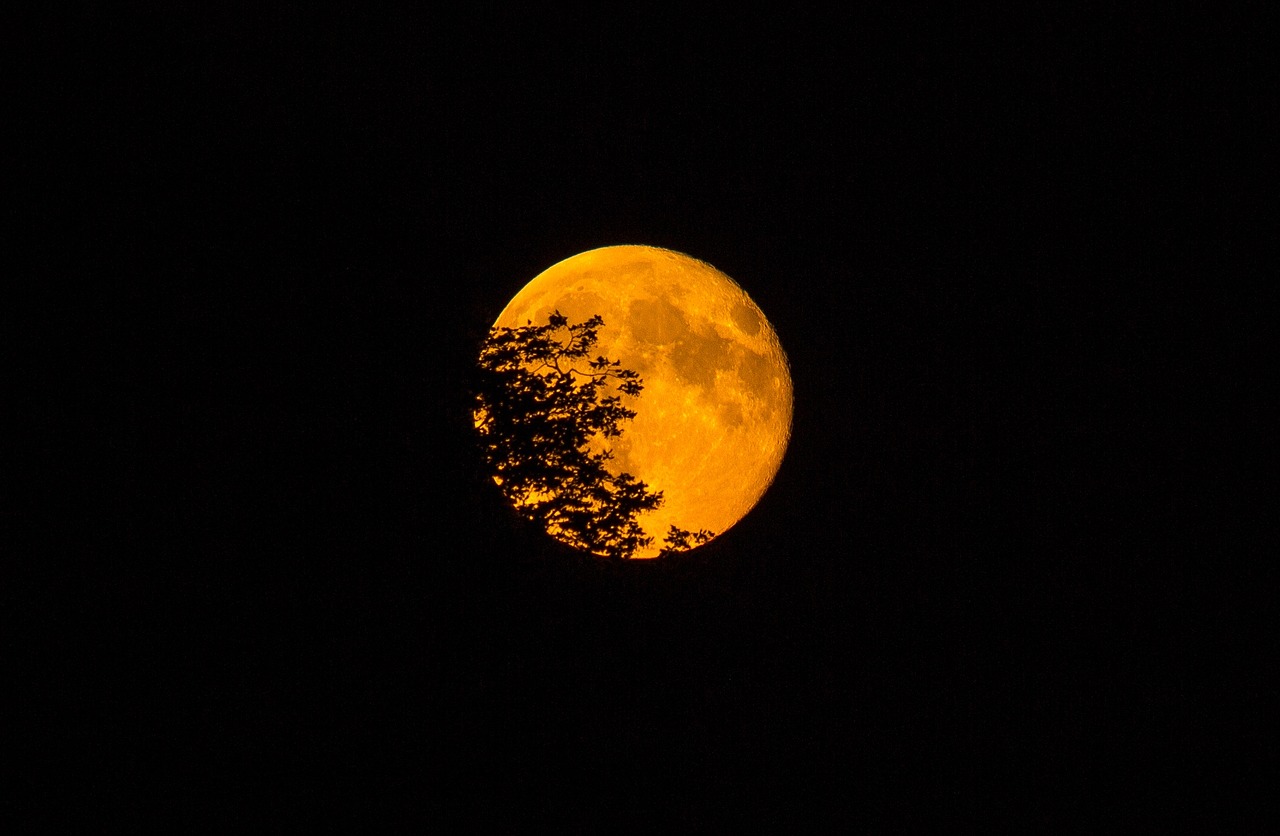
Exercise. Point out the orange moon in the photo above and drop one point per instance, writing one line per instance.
(714, 419)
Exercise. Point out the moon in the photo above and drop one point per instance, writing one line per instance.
(713, 421)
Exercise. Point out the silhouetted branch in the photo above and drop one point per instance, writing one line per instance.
(537, 413)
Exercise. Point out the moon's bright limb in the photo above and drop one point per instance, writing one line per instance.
(714, 419)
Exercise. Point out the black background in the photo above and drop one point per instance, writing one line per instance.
(984, 241)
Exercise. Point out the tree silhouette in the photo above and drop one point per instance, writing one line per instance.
(544, 412)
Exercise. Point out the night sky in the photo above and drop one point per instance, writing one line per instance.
(981, 240)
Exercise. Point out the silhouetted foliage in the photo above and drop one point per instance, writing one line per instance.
(540, 404)
(678, 540)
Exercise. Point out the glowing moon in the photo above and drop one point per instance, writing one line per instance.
(713, 421)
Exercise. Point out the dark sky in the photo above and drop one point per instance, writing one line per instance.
(975, 237)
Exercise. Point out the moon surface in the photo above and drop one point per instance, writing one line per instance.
(714, 419)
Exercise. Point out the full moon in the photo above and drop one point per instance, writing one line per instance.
(714, 419)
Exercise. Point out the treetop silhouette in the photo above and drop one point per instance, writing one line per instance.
(544, 411)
